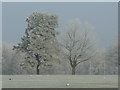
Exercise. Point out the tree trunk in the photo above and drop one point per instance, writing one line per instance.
(37, 69)
(73, 70)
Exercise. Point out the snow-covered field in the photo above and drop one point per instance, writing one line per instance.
(60, 81)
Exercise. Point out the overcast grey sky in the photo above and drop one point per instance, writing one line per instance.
(103, 16)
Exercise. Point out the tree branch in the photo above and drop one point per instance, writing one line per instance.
(84, 60)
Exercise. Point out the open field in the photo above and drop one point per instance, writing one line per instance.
(60, 81)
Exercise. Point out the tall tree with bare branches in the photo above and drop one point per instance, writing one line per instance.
(78, 46)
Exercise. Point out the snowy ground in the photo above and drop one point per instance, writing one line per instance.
(60, 81)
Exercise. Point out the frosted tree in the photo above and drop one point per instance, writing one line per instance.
(78, 45)
(39, 44)
(112, 58)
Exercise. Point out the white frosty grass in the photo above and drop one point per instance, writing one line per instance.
(60, 81)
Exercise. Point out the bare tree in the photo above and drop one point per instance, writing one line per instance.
(112, 57)
(78, 46)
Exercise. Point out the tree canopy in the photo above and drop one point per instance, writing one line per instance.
(39, 42)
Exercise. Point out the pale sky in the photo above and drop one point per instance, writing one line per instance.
(102, 16)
